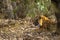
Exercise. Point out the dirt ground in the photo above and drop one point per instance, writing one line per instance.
(23, 29)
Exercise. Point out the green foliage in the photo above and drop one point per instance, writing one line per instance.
(32, 15)
(13, 0)
(40, 6)
(43, 5)
(34, 7)
(15, 9)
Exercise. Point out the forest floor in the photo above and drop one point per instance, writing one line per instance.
(23, 29)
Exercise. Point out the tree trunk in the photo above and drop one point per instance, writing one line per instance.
(9, 8)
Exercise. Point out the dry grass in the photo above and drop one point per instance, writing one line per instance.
(23, 29)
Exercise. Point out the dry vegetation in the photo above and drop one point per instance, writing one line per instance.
(23, 29)
(17, 17)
